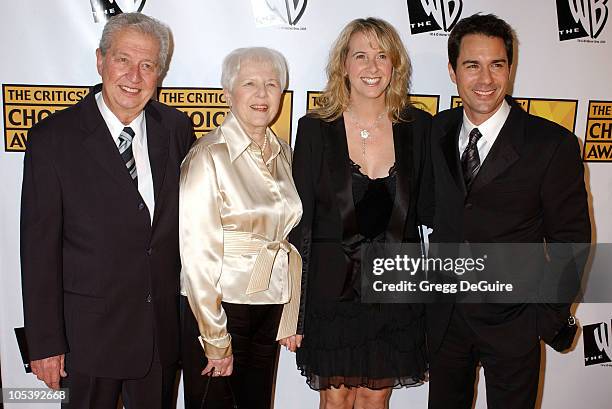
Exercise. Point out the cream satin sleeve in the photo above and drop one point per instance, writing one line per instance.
(201, 245)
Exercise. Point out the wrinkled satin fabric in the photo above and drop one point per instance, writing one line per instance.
(234, 217)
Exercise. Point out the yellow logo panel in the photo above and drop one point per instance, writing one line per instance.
(598, 138)
(207, 108)
(560, 111)
(456, 102)
(311, 100)
(428, 103)
(26, 105)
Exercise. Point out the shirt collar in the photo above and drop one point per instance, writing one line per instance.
(489, 128)
(114, 124)
(238, 141)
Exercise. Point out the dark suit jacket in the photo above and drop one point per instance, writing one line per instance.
(327, 236)
(529, 189)
(99, 282)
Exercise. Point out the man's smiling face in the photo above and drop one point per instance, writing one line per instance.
(130, 72)
(482, 75)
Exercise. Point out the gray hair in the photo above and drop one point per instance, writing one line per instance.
(233, 61)
(143, 24)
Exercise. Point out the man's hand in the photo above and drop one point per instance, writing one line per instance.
(223, 367)
(49, 370)
(292, 343)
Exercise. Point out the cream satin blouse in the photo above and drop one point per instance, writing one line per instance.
(235, 213)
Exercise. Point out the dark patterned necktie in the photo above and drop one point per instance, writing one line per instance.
(470, 161)
(125, 150)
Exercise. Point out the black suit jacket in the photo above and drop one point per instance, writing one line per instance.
(99, 282)
(327, 236)
(529, 189)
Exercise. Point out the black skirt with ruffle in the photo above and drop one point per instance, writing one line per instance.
(363, 345)
(347, 343)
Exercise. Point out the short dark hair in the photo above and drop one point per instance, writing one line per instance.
(486, 24)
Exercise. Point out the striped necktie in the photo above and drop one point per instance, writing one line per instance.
(470, 161)
(125, 150)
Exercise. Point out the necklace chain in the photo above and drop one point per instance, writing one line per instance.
(364, 132)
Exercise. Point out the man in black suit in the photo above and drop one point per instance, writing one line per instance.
(99, 230)
(501, 176)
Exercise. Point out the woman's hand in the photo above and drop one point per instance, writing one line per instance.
(292, 343)
(222, 367)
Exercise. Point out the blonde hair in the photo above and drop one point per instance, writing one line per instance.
(335, 98)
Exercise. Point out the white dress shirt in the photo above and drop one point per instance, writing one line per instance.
(489, 130)
(139, 148)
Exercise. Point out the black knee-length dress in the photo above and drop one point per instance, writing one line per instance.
(347, 342)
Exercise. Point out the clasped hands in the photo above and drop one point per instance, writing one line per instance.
(292, 343)
(225, 366)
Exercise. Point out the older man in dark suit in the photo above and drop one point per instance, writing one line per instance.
(501, 176)
(99, 230)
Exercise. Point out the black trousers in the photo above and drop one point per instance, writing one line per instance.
(153, 391)
(253, 329)
(511, 381)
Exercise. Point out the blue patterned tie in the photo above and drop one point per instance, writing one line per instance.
(470, 161)
(125, 150)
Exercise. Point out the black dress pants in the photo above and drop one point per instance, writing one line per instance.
(153, 391)
(511, 381)
(253, 329)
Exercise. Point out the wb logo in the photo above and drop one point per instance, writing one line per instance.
(104, 9)
(433, 15)
(581, 18)
(597, 343)
(290, 11)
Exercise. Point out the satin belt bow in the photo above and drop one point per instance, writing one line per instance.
(249, 243)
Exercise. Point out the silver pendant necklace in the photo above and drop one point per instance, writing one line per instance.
(364, 132)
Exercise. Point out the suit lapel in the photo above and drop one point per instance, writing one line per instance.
(340, 172)
(99, 143)
(503, 152)
(402, 143)
(336, 148)
(157, 141)
(449, 144)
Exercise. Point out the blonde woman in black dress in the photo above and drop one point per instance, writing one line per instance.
(359, 170)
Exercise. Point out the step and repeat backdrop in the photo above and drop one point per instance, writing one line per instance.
(562, 73)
